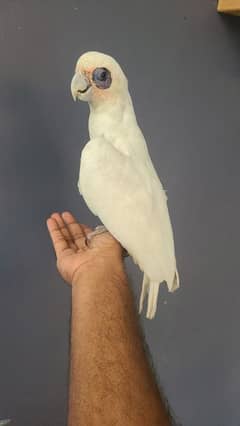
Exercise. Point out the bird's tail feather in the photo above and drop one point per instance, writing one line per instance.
(144, 292)
(150, 288)
(152, 299)
(175, 283)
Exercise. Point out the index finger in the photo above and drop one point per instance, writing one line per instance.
(77, 230)
(59, 242)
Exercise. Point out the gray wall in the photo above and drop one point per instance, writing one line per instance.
(183, 64)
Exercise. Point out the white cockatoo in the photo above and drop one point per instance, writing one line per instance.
(117, 178)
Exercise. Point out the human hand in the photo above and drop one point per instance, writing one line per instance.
(74, 256)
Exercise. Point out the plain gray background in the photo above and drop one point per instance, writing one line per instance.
(183, 64)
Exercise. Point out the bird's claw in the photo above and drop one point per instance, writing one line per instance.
(100, 229)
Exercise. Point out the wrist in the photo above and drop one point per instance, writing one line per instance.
(100, 270)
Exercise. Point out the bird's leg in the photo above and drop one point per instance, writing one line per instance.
(100, 229)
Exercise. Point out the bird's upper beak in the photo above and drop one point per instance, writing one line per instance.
(79, 85)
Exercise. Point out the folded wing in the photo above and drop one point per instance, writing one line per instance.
(129, 199)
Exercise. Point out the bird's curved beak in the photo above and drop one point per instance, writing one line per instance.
(79, 85)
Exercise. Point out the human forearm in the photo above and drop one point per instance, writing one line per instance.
(110, 380)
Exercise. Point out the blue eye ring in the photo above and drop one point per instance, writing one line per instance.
(102, 77)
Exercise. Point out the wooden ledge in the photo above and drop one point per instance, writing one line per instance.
(229, 6)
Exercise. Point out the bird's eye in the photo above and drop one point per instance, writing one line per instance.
(103, 75)
(102, 78)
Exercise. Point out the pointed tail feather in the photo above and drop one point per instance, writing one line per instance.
(175, 284)
(144, 292)
(152, 299)
(152, 288)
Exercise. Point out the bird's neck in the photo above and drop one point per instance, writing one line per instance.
(107, 118)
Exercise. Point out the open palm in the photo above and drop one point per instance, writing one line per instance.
(73, 254)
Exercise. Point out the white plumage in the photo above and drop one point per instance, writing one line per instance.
(117, 178)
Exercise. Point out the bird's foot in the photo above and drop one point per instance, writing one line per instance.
(100, 229)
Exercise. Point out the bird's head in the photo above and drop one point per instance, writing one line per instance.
(98, 79)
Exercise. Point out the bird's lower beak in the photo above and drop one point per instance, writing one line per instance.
(79, 85)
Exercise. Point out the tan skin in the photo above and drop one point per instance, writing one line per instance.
(73, 255)
(111, 382)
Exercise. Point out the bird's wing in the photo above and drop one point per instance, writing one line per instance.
(130, 201)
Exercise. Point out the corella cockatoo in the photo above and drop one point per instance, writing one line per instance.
(117, 178)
